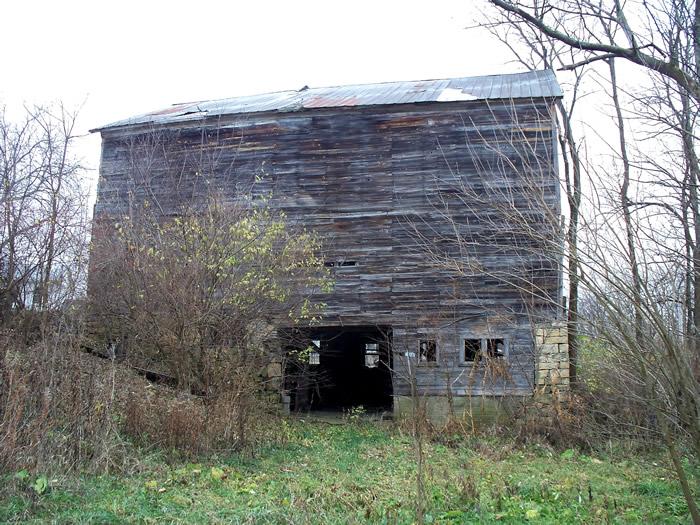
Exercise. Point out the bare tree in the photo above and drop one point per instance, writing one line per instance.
(44, 219)
(639, 257)
(56, 408)
(639, 31)
(536, 50)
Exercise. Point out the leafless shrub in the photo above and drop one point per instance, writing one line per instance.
(188, 424)
(641, 263)
(57, 406)
(43, 212)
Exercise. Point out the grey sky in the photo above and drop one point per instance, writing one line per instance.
(128, 57)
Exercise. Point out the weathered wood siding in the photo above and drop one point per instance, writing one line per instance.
(368, 179)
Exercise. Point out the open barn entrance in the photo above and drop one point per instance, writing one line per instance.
(339, 368)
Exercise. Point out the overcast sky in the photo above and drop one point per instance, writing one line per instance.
(129, 57)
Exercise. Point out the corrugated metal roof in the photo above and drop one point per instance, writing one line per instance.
(533, 84)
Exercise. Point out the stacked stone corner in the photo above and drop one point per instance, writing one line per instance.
(552, 386)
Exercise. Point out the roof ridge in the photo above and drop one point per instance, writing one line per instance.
(385, 82)
(524, 84)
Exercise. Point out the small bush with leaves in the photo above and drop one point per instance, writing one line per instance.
(197, 296)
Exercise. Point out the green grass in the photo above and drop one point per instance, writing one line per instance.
(363, 473)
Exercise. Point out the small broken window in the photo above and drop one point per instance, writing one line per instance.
(472, 350)
(315, 353)
(428, 351)
(495, 348)
(492, 348)
(371, 355)
(338, 264)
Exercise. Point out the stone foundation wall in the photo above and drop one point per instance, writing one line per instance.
(552, 354)
(552, 387)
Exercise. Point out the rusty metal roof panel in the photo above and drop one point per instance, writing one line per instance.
(532, 84)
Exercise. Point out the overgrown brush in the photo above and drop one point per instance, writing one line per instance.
(195, 425)
(57, 406)
(62, 409)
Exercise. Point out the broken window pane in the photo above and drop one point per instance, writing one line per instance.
(428, 351)
(371, 360)
(371, 355)
(472, 350)
(495, 348)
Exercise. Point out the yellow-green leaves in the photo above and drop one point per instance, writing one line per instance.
(197, 285)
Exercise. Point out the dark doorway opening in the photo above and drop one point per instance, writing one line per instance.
(339, 368)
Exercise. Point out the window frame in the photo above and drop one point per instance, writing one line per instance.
(315, 352)
(372, 349)
(436, 354)
(483, 348)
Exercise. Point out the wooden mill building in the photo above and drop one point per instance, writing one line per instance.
(439, 204)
